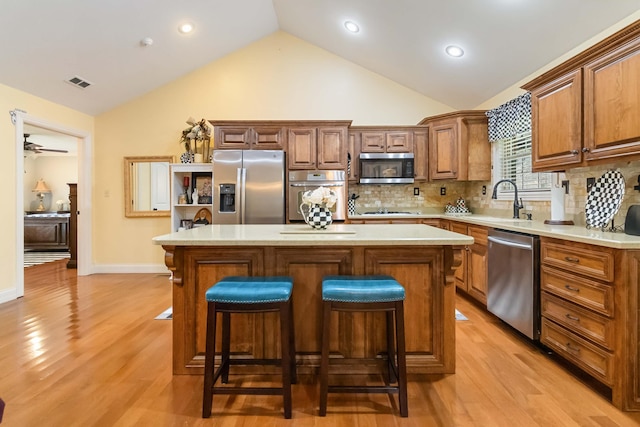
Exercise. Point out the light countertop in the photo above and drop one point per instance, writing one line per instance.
(304, 235)
(575, 233)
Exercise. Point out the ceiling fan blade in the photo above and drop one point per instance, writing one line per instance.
(52, 150)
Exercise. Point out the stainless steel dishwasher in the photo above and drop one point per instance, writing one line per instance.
(513, 287)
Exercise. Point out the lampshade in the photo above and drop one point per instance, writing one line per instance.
(41, 187)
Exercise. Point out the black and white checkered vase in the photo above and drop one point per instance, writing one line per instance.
(319, 217)
(604, 199)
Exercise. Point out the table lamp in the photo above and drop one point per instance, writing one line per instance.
(40, 190)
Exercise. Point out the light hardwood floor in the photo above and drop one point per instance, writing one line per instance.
(87, 352)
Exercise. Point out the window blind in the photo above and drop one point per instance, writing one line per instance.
(514, 163)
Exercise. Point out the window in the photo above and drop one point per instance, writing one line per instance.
(512, 160)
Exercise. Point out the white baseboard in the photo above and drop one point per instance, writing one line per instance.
(129, 268)
(8, 295)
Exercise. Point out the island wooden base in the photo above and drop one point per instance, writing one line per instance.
(426, 272)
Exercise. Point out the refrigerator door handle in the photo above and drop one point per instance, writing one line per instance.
(242, 178)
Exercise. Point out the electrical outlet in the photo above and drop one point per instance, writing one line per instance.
(416, 191)
(484, 190)
(590, 183)
(443, 191)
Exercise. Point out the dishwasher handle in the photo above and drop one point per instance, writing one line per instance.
(500, 241)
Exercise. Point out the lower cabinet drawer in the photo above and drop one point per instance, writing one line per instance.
(588, 293)
(588, 356)
(583, 322)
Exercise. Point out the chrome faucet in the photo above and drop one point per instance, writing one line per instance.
(516, 206)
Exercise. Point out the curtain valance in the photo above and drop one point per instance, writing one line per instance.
(510, 119)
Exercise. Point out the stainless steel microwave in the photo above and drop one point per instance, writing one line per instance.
(386, 168)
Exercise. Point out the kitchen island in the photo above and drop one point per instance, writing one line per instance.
(422, 258)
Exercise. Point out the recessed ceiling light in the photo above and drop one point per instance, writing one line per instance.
(351, 26)
(455, 51)
(186, 28)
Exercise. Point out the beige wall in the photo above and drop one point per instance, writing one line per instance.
(515, 90)
(279, 77)
(11, 99)
(56, 171)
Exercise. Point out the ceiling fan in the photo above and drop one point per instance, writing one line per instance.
(36, 148)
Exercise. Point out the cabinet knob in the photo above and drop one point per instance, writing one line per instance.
(585, 150)
(574, 152)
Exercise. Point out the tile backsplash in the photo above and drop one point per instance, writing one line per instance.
(430, 199)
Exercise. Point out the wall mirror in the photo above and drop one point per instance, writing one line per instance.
(146, 186)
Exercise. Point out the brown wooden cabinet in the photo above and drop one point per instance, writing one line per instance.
(628, 396)
(471, 276)
(248, 135)
(459, 146)
(422, 270)
(313, 147)
(578, 305)
(590, 313)
(386, 221)
(46, 232)
(477, 263)
(585, 110)
(462, 271)
(434, 222)
(556, 120)
(353, 154)
(391, 139)
(612, 104)
(386, 140)
(421, 154)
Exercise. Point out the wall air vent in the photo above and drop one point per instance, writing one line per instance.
(79, 82)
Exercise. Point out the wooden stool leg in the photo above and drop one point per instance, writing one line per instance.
(391, 356)
(207, 397)
(285, 328)
(402, 360)
(226, 345)
(292, 344)
(324, 359)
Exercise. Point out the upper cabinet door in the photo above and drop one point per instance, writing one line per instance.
(373, 141)
(230, 137)
(612, 104)
(556, 121)
(399, 142)
(421, 154)
(302, 148)
(269, 138)
(332, 148)
(443, 151)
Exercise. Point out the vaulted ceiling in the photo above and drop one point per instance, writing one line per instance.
(44, 43)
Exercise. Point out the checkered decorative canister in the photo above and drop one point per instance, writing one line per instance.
(351, 206)
(319, 217)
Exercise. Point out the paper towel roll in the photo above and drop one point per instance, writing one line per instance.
(557, 203)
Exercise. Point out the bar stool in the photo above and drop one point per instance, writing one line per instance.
(240, 294)
(366, 293)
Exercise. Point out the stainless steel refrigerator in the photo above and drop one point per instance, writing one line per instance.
(248, 187)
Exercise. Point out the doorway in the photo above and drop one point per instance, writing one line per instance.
(84, 148)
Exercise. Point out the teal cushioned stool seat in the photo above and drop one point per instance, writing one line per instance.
(248, 294)
(361, 289)
(251, 290)
(373, 293)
